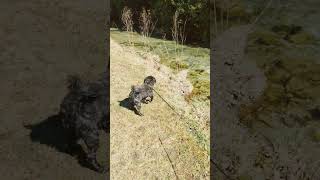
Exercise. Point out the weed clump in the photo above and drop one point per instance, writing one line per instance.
(201, 88)
(178, 65)
(201, 85)
(292, 86)
(294, 34)
(286, 30)
(280, 36)
(302, 38)
(267, 38)
(315, 134)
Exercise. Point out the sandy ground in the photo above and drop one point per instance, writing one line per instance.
(41, 43)
(157, 145)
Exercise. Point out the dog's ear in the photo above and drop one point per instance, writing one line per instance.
(74, 82)
(150, 80)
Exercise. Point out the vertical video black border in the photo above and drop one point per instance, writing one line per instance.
(107, 44)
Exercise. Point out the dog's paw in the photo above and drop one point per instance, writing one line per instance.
(139, 113)
(103, 169)
(147, 100)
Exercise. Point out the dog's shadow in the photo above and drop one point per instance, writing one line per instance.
(51, 133)
(126, 104)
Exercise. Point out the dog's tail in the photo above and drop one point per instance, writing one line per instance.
(74, 82)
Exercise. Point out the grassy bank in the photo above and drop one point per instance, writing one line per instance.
(178, 57)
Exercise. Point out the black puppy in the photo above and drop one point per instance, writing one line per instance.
(84, 111)
(142, 94)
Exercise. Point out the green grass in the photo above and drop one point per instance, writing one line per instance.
(177, 57)
(201, 84)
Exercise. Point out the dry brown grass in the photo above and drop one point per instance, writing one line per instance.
(147, 25)
(135, 147)
(126, 18)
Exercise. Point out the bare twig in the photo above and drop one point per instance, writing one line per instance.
(169, 159)
(261, 13)
(228, 12)
(178, 32)
(126, 18)
(174, 29)
(183, 35)
(146, 24)
(215, 17)
(179, 29)
(221, 14)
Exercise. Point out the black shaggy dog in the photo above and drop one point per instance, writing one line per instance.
(142, 94)
(84, 112)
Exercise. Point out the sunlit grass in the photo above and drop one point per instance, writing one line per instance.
(177, 57)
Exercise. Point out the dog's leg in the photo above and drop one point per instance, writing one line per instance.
(137, 104)
(106, 124)
(91, 139)
(68, 131)
(151, 98)
(71, 146)
(137, 108)
(146, 100)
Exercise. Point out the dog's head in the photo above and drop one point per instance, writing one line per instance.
(74, 82)
(150, 80)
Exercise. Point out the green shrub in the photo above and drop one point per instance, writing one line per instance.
(201, 85)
